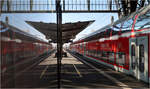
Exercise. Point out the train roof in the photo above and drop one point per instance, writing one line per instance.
(96, 34)
(19, 31)
(103, 29)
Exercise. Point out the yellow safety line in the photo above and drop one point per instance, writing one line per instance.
(43, 72)
(77, 71)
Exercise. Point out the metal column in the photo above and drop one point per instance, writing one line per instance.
(59, 41)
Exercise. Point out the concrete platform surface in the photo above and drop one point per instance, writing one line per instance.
(74, 74)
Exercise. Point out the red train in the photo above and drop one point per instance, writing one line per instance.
(19, 50)
(123, 45)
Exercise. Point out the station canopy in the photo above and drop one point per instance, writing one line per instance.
(69, 30)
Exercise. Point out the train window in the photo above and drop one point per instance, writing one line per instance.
(91, 52)
(84, 47)
(111, 57)
(133, 59)
(9, 59)
(3, 60)
(133, 50)
(87, 52)
(117, 27)
(143, 21)
(95, 52)
(98, 54)
(141, 58)
(121, 58)
(104, 55)
(127, 25)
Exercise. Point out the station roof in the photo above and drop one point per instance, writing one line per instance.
(69, 30)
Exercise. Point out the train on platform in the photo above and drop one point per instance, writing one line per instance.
(123, 45)
(19, 50)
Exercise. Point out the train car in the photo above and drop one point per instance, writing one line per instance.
(19, 50)
(123, 45)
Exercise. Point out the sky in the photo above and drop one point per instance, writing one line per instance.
(101, 19)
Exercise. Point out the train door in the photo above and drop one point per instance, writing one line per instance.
(133, 61)
(139, 57)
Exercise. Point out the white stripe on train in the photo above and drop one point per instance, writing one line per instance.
(124, 35)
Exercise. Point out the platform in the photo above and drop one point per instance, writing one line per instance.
(75, 74)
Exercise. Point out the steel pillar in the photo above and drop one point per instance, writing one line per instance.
(59, 41)
(31, 5)
(8, 5)
(88, 3)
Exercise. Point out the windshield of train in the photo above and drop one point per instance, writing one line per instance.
(143, 21)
